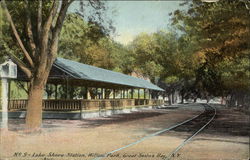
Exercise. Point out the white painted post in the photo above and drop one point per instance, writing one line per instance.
(8, 70)
(5, 89)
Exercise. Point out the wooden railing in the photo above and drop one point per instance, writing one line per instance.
(153, 102)
(69, 105)
(83, 104)
(17, 104)
(107, 103)
(21, 104)
(156, 102)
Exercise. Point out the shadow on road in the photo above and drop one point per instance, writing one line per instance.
(227, 122)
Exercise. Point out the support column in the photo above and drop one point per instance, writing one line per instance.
(102, 93)
(144, 93)
(88, 93)
(149, 95)
(138, 93)
(106, 96)
(132, 93)
(109, 93)
(67, 88)
(113, 93)
(5, 93)
(96, 93)
(55, 91)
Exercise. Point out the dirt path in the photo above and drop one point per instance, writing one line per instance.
(225, 139)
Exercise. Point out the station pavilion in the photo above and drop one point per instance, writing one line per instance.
(70, 73)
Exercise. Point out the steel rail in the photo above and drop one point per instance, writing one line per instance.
(190, 138)
(149, 136)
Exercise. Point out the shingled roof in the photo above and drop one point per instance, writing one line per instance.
(82, 71)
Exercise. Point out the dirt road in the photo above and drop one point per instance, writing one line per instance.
(225, 139)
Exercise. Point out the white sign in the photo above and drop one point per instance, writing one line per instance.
(8, 70)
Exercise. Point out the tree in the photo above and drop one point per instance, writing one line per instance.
(221, 32)
(87, 43)
(37, 34)
(145, 56)
(77, 37)
(165, 56)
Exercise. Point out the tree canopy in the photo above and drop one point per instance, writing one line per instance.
(206, 51)
(31, 40)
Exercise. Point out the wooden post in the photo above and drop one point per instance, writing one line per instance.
(132, 93)
(55, 91)
(105, 94)
(138, 93)
(88, 93)
(96, 93)
(150, 97)
(144, 93)
(67, 88)
(113, 93)
(123, 93)
(109, 93)
(101, 93)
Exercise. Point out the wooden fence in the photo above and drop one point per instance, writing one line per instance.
(83, 104)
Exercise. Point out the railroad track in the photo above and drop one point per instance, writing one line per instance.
(199, 121)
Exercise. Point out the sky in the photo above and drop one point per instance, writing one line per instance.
(133, 17)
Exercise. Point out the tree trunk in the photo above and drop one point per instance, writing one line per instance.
(35, 98)
(195, 99)
(222, 100)
(173, 98)
(208, 99)
(34, 108)
(169, 99)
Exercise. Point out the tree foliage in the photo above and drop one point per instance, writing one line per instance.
(87, 43)
(206, 53)
(222, 33)
(31, 40)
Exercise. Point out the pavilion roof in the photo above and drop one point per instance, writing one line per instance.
(85, 72)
